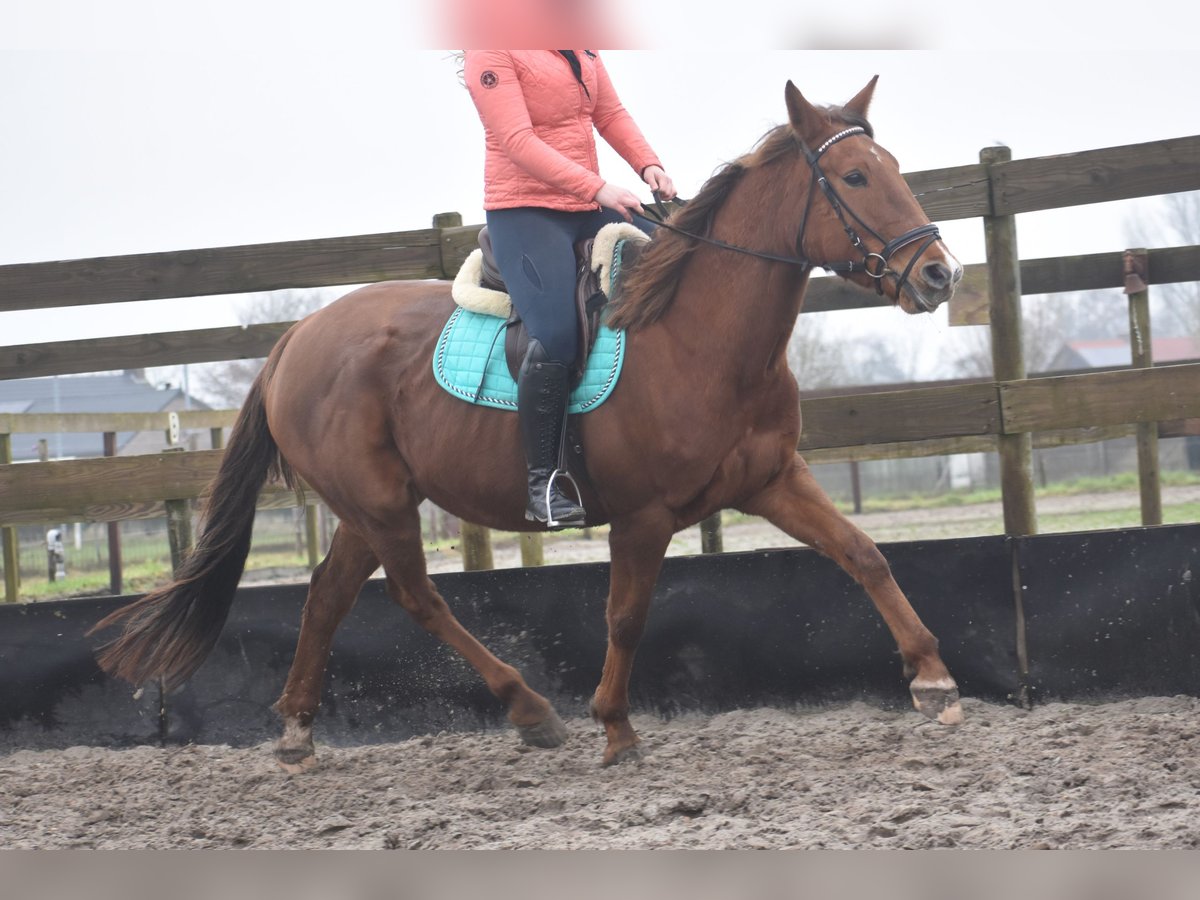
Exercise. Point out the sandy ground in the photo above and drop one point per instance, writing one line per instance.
(1122, 774)
(1119, 774)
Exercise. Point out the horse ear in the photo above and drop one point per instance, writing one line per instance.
(803, 115)
(858, 106)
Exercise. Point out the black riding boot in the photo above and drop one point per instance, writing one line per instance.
(542, 396)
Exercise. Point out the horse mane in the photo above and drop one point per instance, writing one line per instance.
(648, 288)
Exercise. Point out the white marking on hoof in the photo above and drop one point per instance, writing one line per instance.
(548, 733)
(937, 699)
(631, 754)
(304, 766)
(294, 751)
(951, 715)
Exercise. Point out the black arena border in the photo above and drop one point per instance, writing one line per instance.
(1107, 614)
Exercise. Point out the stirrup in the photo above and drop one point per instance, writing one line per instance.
(552, 522)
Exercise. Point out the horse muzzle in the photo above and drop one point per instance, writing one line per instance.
(931, 284)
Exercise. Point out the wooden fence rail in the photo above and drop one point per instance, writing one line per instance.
(98, 423)
(1094, 271)
(931, 418)
(140, 351)
(906, 423)
(1024, 185)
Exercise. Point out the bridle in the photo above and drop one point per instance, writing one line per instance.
(873, 264)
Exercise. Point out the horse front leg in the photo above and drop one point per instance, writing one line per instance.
(637, 548)
(795, 503)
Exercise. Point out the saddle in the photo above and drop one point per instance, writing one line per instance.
(480, 293)
(591, 295)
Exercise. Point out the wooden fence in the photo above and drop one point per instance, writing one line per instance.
(1001, 415)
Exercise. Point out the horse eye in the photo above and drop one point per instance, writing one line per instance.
(855, 179)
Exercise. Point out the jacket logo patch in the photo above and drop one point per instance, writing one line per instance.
(489, 79)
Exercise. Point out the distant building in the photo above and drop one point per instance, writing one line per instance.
(124, 392)
(1111, 353)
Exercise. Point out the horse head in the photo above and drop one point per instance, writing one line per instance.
(860, 219)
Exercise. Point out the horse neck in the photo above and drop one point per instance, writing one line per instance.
(736, 311)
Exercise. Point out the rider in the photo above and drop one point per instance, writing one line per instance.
(542, 194)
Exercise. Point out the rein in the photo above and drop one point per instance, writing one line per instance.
(873, 264)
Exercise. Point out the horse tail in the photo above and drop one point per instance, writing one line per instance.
(169, 632)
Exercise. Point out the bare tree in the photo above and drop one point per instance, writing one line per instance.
(831, 350)
(226, 384)
(974, 359)
(814, 356)
(1048, 322)
(898, 356)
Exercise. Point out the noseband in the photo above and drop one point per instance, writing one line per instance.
(875, 265)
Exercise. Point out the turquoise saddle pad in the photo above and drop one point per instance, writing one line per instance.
(469, 363)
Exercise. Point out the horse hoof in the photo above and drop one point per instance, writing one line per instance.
(548, 733)
(302, 767)
(938, 701)
(631, 754)
(297, 761)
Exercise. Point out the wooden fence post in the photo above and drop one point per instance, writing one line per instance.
(442, 221)
(532, 549)
(856, 486)
(1137, 276)
(1008, 358)
(476, 544)
(312, 534)
(9, 538)
(1008, 364)
(116, 575)
(711, 540)
(179, 512)
(179, 532)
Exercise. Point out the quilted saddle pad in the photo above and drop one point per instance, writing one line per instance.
(469, 363)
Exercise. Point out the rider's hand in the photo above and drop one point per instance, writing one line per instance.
(659, 181)
(618, 198)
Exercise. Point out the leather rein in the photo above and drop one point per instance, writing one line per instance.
(873, 264)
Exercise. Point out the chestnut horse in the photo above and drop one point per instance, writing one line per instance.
(706, 417)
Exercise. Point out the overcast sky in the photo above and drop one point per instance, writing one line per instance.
(113, 144)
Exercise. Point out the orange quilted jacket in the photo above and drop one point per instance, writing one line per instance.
(538, 123)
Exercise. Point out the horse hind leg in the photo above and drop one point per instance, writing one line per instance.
(399, 548)
(332, 592)
(795, 503)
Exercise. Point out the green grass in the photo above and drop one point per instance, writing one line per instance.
(139, 576)
(1183, 513)
(1125, 481)
(990, 521)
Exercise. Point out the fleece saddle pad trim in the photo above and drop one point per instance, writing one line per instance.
(469, 363)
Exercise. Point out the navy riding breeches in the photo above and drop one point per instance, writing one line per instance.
(534, 249)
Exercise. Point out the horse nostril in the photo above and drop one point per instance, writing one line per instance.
(937, 275)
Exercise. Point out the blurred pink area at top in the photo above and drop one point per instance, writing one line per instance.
(531, 24)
